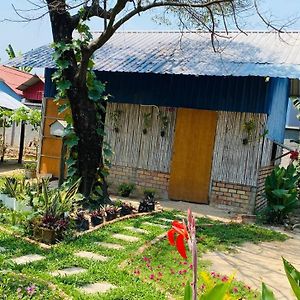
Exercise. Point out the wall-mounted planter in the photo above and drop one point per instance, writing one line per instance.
(13, 204)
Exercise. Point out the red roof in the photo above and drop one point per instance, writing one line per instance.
(14, 77)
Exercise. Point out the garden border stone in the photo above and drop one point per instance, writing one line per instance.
(79, 234)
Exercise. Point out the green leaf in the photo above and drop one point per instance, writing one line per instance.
(267, 294)
(62, 108)
(217, 292)
(293, 276)
(63, 85)
(188, 292)
(71, 142)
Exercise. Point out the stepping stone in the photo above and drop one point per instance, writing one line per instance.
(166, 220)
(2, 249)
(26, 259)
(98, 287)
(155, 224)
(68, 271)
(137, 230)
(181, 217)
(127, 238)
(110, 245)
(91, 255)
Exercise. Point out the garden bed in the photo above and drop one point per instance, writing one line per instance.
(129, 284)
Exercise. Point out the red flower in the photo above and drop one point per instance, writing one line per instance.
(179, 229)
(294, 155)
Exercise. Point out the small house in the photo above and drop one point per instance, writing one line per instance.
(195, 124)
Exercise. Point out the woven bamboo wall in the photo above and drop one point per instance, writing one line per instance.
(233, 161)
(132, 148)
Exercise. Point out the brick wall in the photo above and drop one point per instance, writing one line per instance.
(233, 197)
(142, 178)
(261, 201)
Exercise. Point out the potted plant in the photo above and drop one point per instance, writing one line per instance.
(148, 203)
(30, 170)
(126, 209)
(125, 189)
(50, 229)
(147, 120)
(164, 123)
(82, 223)
(116, 118)
(97, 217)
(111, 212)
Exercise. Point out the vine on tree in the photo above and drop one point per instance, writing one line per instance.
(96, 94)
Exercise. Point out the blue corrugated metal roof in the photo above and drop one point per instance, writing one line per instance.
(8, 98)
(191, 53)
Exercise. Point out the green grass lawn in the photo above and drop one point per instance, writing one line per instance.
(134, 280)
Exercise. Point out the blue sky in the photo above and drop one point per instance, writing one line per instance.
(25, 36)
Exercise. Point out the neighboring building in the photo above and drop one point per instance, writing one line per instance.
(184, 120)
(27, 89)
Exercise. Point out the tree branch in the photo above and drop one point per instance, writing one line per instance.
(112, 27)
(93, 10)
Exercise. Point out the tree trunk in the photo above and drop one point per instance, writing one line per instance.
(90, 143)
(84, 111)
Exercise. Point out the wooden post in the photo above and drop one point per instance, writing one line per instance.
(3, 140)
(22, 138)
(62, 162)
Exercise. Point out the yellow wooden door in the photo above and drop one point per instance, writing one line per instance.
(192, 155)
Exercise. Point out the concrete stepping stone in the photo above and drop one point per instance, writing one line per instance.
(137, 230)
(110, 245)
(155, 224)
(2, 249)
(181, 217)
(68, 271)
(126, 238)
(97, 288)
(91, 255)
(26, 259)
(166, 220)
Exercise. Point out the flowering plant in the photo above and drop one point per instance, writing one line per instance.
(177, 236)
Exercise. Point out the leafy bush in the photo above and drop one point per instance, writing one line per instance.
(30, 166)
(281, 194)
(149, 193)
(125, 189)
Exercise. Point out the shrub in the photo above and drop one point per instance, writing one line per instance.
(30, 166)
(281, 194)
(149, 193)
(125, 189)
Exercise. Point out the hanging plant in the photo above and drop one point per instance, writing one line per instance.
(147, 120)
(116, 118)
(249, 128)
(164, 123)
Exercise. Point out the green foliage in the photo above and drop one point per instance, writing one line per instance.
(267, 294)
(30, 166)
(149, 193)
(57, 202)
(125, 189)
(130, 285)
(293, 276)
(11, 54)
(188, 292)
(147, 120)
(22, 114)
(281, 193)
(95, 94)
